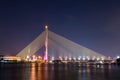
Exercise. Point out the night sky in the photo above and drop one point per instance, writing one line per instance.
(94, 24)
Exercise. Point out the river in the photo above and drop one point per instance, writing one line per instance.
(38, 71)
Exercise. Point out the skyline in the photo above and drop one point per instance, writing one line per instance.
(92, 24)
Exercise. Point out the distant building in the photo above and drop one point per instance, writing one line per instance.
(9, 58)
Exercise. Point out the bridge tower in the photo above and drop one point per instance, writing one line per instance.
(46, 44)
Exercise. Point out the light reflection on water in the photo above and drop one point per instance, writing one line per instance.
(33, 72)
(38, 71)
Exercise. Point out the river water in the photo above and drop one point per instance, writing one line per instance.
(38, 71)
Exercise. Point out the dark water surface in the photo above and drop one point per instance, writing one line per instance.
(38, 71)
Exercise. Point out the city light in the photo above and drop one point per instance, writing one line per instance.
(39, 57)
(93, 58)
(70, 59)
(98, 58)
(83, 58)
(102, 58)
(66, 58)
(46, 27)
(28, 57)
(78, 58)
(60, 57)
(88, 57)
(53, 58)
(118, 57)
(74, 58)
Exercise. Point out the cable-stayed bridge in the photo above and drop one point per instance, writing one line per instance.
(56, 45)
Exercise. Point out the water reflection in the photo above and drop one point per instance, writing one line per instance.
(38, 71)
(39, 75)
(45, 72)
(33, 72)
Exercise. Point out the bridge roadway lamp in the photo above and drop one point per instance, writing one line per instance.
(118, 57)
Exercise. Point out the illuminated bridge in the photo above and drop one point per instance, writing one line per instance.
(57, 46)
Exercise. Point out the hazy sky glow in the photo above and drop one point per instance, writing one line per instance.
(93, 24)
